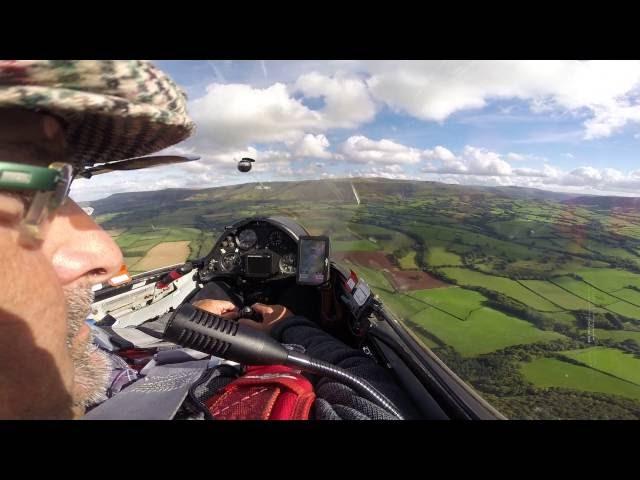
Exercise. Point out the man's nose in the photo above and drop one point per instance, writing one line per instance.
(81, 251)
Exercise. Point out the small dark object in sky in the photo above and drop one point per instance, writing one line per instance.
(244, 165)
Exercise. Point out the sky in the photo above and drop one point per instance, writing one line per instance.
(559, 125)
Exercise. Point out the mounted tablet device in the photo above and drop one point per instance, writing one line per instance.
(313, 260)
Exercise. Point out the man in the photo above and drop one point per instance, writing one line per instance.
(56, 118)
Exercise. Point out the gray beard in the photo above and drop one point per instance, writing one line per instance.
(92, 365)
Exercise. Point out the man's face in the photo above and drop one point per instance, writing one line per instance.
(48, 367)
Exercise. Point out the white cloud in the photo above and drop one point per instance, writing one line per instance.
(362, 149)
(347, 103)
(482, 167)
(581, 180)
(434, 90)
(475, 161)
(484, 162)
(610, 119)
(515, 157)
(235, 115)
(593, 177)
(528, 172)
(312, 146)
(440, 153)
(471, 161)
(393, 168)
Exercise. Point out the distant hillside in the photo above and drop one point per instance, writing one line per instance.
(120, 202)
(606, 203)
(369, 189)
(533, 194)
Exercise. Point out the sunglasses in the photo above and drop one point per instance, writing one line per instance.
(50, 184)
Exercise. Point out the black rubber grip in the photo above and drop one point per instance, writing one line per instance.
(209, 333)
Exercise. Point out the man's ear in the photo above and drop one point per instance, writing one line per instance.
(24, 126)
(54, 133)
(52, 128)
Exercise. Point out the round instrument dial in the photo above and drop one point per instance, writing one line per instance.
(287, 263)
(230, 261)
(275, 239)
(247, 239)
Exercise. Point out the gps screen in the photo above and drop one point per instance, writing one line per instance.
(313, 260)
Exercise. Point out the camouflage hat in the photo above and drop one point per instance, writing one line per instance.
(111, 109)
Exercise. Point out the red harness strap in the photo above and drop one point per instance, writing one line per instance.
(272, 392)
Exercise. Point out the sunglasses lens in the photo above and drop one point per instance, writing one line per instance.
(64, 184)
(45, 202)
(37, 214)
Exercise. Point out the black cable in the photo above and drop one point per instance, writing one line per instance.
(328, 370)
(224, 338)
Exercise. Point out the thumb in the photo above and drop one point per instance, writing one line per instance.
(227, 306)
(262, 308)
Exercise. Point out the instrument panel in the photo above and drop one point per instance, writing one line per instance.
(258, 248)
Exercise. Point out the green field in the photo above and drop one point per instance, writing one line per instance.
(629, 295)
(144, 239)
(626, 309)
(402, 306)
(456, 316)
(355, 246)
(439, 256)
(582, 290)
(455, 300)
(565, 318)
(550, 372)
(136, 242)
(408, 262)
(610, 251)
(610, 279)
(485, 331)
(106, 217)
(557, 295)
(503, 285)
(202, 245)
(609, 360)
(130, 262)
(386, 239)
(618, 335)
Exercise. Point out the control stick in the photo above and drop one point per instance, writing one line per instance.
(251, 314)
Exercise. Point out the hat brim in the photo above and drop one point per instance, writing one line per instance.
(101, 128)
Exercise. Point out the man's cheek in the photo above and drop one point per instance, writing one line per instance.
(32, 298)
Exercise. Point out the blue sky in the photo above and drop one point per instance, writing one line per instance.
(558, 125)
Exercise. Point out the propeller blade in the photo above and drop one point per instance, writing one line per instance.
(137, 163)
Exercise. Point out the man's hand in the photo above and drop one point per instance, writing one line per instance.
(271, 315)
(221, 308)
